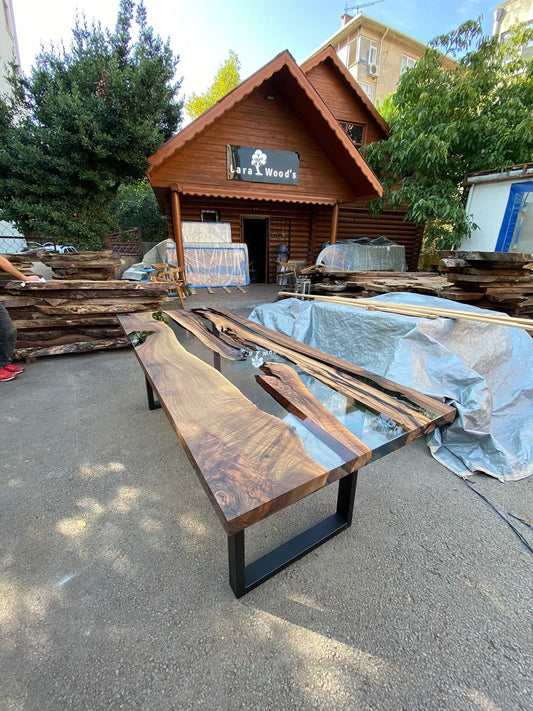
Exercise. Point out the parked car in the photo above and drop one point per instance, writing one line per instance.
(51, 247)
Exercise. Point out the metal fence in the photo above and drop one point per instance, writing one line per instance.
(126, 242)
(11, 242)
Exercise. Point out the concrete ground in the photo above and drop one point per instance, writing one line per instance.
(113, 571)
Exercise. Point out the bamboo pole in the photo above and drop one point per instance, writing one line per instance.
(422, 311)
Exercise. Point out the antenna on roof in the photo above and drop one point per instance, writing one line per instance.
(361, 5)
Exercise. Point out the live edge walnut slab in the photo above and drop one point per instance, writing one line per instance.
(250, 464)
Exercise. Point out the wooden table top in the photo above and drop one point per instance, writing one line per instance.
(251, 462)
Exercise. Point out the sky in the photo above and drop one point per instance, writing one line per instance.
(202, 32)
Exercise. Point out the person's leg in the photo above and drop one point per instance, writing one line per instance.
(8, 337)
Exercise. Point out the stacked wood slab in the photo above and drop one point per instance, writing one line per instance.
(372, 283)
(99, 266)
(502, 281)
(60, 316)
(22, 262)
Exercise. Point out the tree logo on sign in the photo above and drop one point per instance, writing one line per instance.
(258, 159)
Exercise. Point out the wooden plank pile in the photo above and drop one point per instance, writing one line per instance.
(59, 316)
(502, 281)
(373, 283)
(98, 266)
(22, 262)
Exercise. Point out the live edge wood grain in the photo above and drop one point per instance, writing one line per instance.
(410, 419)
(251, 464)
(428, 403)
(196, 325)
(283, 383)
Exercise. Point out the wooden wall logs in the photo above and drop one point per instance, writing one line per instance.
(57, 317)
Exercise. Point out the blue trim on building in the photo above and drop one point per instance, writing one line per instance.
(516, 193)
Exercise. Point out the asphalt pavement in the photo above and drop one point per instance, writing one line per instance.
(114, 589)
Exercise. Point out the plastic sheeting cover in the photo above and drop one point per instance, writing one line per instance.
(208, 233)
(485, 371)
(214, 265)
(335, 256)
(366, 255)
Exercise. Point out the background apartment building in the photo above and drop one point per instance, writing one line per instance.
(376, 54)
(513, 12)
(9, 236)
(8, 42)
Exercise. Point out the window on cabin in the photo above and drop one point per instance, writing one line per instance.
(210, 215)
(355, 131)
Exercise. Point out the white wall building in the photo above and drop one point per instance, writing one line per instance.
(8, 42)
(501, 204)
(8, 51)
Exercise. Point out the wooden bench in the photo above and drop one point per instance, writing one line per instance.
(251, 463)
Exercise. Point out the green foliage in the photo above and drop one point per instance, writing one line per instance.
(81, 124)
(387, 108)
(226, 79)
(448, 123)
(135, 206)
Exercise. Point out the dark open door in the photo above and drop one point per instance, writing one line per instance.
(255, 235)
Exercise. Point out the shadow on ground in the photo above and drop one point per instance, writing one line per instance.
(113, 573)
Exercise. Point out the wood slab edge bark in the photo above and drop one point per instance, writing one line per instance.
(251, 464)
(428, 403)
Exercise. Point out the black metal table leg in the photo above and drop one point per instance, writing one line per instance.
(244, 578)
(152, 403)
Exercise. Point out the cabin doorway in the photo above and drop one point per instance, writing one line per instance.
(255, 232)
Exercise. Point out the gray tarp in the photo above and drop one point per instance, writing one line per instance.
(486, 371)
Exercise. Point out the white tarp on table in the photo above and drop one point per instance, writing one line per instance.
(486, 371)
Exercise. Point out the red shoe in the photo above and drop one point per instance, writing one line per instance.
(6, 375)
(16, 369)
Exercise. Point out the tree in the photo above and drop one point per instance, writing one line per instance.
(448, 123)
(83, 123)
(135, 206)
(226, 79)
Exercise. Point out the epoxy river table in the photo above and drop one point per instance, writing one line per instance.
(283, 421)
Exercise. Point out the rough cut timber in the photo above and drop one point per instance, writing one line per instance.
(501, 281)
(22, 262)
(99, 266)
(57, 317)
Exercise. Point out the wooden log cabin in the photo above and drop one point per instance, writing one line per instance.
(274, 159)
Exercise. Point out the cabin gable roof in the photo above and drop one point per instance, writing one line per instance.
(296, 91)
(328, 58)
